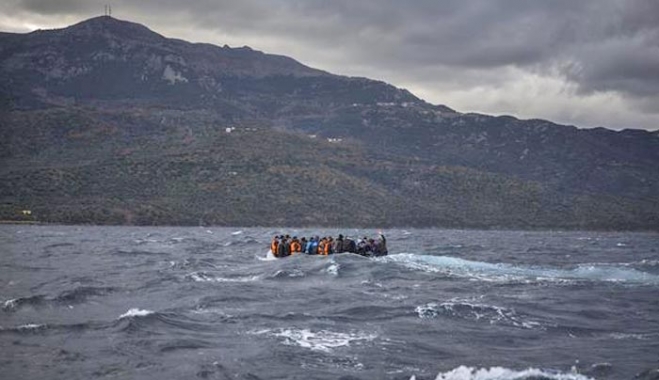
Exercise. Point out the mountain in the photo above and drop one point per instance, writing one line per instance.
(108, 122)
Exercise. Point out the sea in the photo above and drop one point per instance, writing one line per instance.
(92, 302)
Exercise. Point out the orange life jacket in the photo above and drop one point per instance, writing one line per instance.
(273, 247)
(296, 247)
(327, 248)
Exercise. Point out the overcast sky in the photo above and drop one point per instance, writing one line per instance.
(583, 62)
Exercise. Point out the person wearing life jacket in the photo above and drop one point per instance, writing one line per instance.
(370, 247)
(296, 247)
(363, 247)
(329, 246)
(303, 245)
(338, 245)
(349, 245)
(307, 247)
(284, 248)
(381, 245)
(321, 246)
(313, 248)
(274, 245)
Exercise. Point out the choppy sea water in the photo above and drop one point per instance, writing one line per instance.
(174, 303)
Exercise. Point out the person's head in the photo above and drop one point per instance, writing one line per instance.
(340, 237)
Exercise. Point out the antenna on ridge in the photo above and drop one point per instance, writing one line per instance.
(108, 10)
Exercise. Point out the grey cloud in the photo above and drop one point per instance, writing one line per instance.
(58, 6)
(629, 65)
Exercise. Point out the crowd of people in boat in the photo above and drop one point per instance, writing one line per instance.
(285, 245)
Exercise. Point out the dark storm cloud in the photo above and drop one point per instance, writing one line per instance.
(57, 6)
(601, 45)
(597, 46)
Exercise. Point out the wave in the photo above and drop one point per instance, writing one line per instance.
(68, 297)
(246, 241)
(145, 241)
(15, 303)
(465, 309)
(218, 311)
(58, 248)
(268, 256)
(29, 327)
(484, 271)
(321, 340)
(632, 336)
(498, 373)
(288, 273)
(204, 277)
(40, 328)
(137, 320)
(132, 253)
(333, 268)
(135, 312)
(369, 313)
(80, 294)
(183, 344)
(649, 263)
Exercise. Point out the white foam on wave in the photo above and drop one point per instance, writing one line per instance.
(333, 269)
(145, 241)
(501, 373)
(26, 327)
(646, 263)
(455, 266)
(202, 277)
(268, 256)
(467, 309)
(321, 340)
(613, 273)
(10, 304)
(295, 272)
(135, 312)
(502, 272)
(214, 310)
(30, 326)
(427, 311)
(237, 233)
(631, 336)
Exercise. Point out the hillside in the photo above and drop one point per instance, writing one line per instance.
(108, 122)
